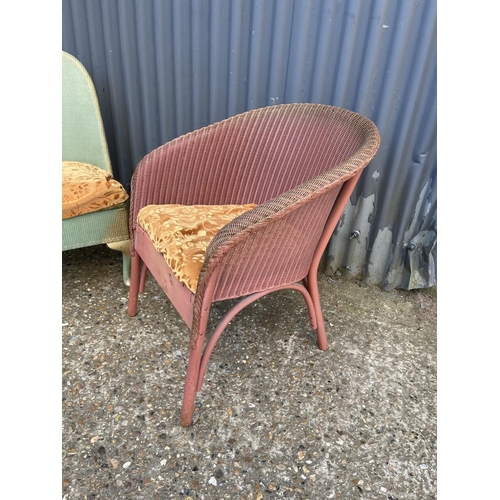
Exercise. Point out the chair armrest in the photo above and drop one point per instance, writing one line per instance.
(254, 250)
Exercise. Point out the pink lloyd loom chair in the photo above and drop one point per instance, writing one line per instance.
(243, 208)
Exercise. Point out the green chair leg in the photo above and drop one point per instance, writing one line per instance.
(126, 268)
(124, 247)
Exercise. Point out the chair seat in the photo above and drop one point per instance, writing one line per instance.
(87, 188)
(182, 234)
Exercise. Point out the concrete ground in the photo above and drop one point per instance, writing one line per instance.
(276, 418)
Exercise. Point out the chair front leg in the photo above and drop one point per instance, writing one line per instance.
(193, 369)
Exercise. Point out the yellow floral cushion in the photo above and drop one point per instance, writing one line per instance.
(87, 188)
(182, 234)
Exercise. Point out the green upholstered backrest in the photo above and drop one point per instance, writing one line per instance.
(83, 137)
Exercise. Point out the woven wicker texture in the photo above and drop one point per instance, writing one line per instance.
(280, 157)
(95, 228)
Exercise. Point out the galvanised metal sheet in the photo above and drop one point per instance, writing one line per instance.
(166, 67)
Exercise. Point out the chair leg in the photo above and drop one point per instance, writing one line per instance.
(193, 371)
(142, 282)
(124, 247)
(310, 304)
(126, 268)
(134, 285)
(190, 385)
(312, 285)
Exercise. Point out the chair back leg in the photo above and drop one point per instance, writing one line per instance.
(312, 277)
(312, 284)
(142, 281)
(126, 268)
(134, 284)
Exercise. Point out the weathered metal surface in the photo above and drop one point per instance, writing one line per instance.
(165, 67)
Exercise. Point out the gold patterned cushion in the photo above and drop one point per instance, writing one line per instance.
(182, 234)
(87, 188)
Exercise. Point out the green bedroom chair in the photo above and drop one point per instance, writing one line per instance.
(94, 205)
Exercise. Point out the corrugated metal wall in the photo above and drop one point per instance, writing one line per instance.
(165, 67)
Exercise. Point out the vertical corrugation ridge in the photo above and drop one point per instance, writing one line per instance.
(236, 99)
(81, 34)
(182, 57)
(146, 77)
(200, 38)
(316, 44)
(364, 31)
(68, 36)
(270, 57)
(282, 52)
(163, 42)
(117, 102)
(249, 90)
(336, 88)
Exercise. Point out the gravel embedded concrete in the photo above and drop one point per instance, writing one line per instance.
(276, 418)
